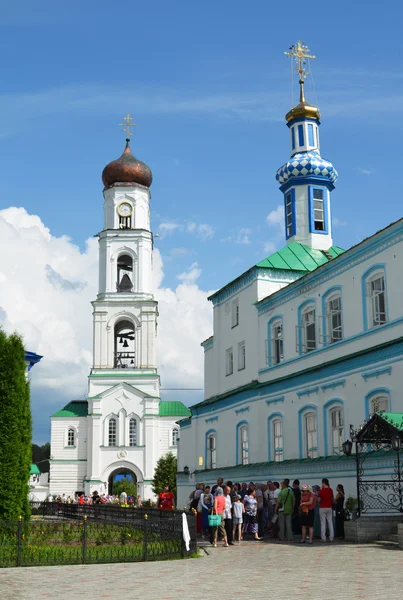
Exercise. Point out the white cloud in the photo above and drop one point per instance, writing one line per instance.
(336, 222)
(269, 247)
(364, 171)
(179, 251)
(46, 286)
(167, 227)
(276, 217)
(204, 230)
(243, 236)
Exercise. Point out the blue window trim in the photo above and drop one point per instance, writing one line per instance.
(293, 228)
(276, 416)
(269, 326)
(333, 290)
(304, 410)
(312, 229)
(301, 309)
(314, 180)
(368, 273)
(327, 407)
(300, 135)
(293, 138)
(377, 392)
(311, 139)
(238, 428)
(208, 433)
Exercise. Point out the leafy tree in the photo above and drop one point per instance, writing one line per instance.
(165, 474)
(124, 485)
(15, 429)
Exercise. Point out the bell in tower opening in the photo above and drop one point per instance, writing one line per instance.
(125, 274)
(124, 345)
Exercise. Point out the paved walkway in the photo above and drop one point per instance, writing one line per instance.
(317, 572)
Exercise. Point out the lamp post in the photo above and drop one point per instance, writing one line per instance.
(347, 447)
(186, 470)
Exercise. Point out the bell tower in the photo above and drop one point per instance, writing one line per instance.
(125, 312)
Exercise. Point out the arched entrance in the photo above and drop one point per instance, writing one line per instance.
(124, 479)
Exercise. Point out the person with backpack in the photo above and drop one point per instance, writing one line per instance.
(285, 509)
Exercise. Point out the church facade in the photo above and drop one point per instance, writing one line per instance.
(123, 427)
(306, 342)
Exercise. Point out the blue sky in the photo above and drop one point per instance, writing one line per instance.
(208, 85)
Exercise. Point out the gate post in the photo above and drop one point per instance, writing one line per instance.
(19, 537)
(84, 545)
(145, 541)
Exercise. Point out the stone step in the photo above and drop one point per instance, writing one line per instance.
(386, 544)
(391, 537)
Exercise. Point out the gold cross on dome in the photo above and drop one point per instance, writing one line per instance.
(127, 124)
(300, 53)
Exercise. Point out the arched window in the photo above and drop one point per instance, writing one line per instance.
(311, 435)
(112, 437)
(337, 428)
(132, 432)
(333, 324)
(71, 437)
(124, 274)
(211, 451)
(276, 341)
(124, 345)
(306, 329)
(277, 432)
(243, 444)
(379, 403)
(175, 436)
(375, 301)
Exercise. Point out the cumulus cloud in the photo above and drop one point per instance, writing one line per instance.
(46, 286)
(204, 230)
(240, 236)
(364, 171)
(276, 217)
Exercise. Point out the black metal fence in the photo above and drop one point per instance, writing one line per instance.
(86, 541)
(102, 512)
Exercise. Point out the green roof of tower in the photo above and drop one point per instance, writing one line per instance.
(75, 408)
(173, 408)
(298, 257)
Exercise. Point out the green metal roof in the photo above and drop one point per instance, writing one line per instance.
(393, 418)
(297, 257)
(34, 470)
(75, 408)
(173, 409)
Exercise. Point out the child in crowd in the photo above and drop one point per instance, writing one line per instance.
(238, 510)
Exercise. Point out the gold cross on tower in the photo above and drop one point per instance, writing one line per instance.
(127, 124)
(300, 52)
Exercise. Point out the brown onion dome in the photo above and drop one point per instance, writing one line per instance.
(127, 170)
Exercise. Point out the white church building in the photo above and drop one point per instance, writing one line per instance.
(305, 343)
(123, 426)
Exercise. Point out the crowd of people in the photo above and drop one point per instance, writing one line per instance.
(271, 509)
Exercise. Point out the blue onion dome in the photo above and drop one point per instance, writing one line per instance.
(307, 164)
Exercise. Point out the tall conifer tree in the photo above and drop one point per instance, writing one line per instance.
(15, 429)
(165, 474)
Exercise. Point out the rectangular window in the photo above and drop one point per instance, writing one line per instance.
(241, 356)
(301, 135)
(337, 431)
(293, 137)
(310, 135)
(319, 209)
(376, 291)
(309, 330)
(243, 438)
(211, 452)
(289, 215)
(175, 437)
(235, 313)
(277, 343)
(334, 319)
(229, 361)
(112, 433)
(278, 440)
(311, 436)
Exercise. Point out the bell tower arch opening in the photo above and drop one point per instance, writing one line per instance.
(124, 281)
(124, 353)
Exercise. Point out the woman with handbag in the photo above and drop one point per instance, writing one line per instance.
(216, 519)
(307, 513)
(205, 505)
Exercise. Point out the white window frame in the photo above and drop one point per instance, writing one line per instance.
(334, 321)
(304, 343)
(174, 437)
(241, 356)
(211, 451)
(379, 403)
(131, 435)
(311, 435)
(243, 445)
(111, 434)
(289, 220)
(276, 342)
(229, 361)
(278, 440)
(336, 418)
(375, 299)
(235, 313)
(70, 439)
(317, 210)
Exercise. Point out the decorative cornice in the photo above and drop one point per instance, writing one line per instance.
(233, 287)
(377, 373)
(278, 400)
(241, 410)
(308, 391)
(333, 385)
(211, 419)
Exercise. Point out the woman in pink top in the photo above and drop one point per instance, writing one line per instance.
(219, 507)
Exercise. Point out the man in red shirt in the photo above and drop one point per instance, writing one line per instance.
(166, 499)
(326, 510)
